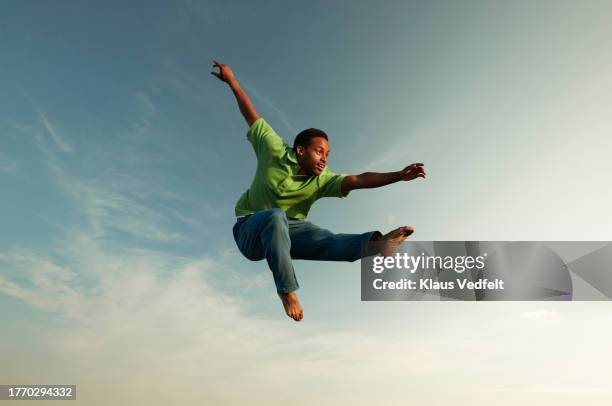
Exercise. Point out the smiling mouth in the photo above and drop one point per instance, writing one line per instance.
(321, 167)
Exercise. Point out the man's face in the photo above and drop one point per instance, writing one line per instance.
(313, 158)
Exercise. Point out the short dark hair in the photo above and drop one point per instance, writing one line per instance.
(304, 137)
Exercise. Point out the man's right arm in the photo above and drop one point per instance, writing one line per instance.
(245, 105)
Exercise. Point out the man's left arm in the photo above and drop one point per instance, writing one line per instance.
(370, 180)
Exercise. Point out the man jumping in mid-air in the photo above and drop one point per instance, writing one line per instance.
(271, 221)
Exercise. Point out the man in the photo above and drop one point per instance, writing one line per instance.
(272, 214)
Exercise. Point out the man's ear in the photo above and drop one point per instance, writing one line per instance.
(300, 150)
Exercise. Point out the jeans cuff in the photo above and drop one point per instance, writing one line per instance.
(368, 249)
(288, 289)
(373, 234)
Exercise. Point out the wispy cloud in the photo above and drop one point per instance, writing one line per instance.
(53, 133)
(113, 199)
(407, 144)
(49, 284)
(22, 127)
(250, 88)
(114, 204)
(48, 128)
(146, 101)
(144, 122)
(159, 319)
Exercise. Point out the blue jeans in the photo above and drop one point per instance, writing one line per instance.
(269, 234)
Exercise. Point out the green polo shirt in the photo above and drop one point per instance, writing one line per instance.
(277, 183)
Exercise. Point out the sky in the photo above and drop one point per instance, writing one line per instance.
(121, 159)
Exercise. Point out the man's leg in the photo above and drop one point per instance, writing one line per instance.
(265, 234)
(309, 241)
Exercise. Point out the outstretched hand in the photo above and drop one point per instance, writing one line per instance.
(413, 171)
(225, 73)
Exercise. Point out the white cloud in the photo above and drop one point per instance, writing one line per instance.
(272, 105)
(55, 136)
(146, 101)
(159, 319)
(51, 285)
(144, 122)
(114, 203)
(48, 128)
(156, 329)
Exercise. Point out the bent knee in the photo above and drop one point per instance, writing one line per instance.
(254, 256)
(277, 216)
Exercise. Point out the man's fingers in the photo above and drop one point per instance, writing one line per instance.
(418, 166)
(418, 169)
(219, 65)
(216, 74)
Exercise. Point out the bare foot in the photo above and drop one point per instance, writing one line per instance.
(292, 305)
(394, 238)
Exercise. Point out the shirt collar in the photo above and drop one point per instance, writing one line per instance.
(291, 156)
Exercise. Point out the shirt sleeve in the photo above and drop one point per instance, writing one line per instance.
(331, 184)
(264, 139)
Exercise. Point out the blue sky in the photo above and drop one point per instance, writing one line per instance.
(121, 159)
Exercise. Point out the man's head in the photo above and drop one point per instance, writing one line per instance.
(312, 149)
